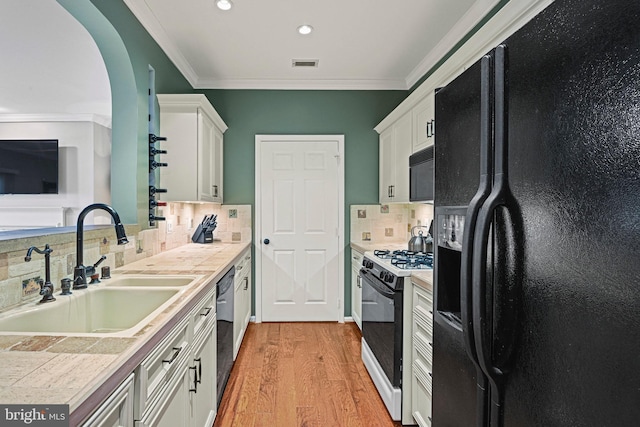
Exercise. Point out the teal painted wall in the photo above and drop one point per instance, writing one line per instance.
(128, 51)
(352, 113)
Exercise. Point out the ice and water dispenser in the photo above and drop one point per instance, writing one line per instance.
(449, 224)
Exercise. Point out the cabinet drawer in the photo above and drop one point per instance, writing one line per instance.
(422, 298)
(421, 396)
(356, 259)
(422, 351)
(204, 312)
(422, 323)
(244, 262)
(155, 372)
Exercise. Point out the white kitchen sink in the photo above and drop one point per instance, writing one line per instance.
(96, 311)
(149, 280)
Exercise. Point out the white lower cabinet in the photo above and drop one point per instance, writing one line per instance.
(422, 355)
(202, 388)
(176, 383)
(172, 407)
(117, 410)
(241, 300)
(356, 287)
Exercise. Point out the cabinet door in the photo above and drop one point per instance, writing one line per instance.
(424, 127)
(117, 410)
(402, 147)
(172, 410)
(216, 165)
(206, 152)
(181, 175)
(237, 313)
(356, 297)
(356, 288)
(242, 308)
(246, 301)
(422, 355)
(202, 388)
(387, 165)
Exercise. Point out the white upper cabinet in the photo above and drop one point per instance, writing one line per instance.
(424, 124)
(395, 147)
(194, 145)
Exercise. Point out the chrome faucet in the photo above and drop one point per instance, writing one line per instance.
(80, 272)
(46, 287)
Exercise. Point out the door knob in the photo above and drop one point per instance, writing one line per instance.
(266, 241)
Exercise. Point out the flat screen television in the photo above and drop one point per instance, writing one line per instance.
(29, 166)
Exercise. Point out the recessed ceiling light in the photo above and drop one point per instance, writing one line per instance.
(305, 29)
(224, 4)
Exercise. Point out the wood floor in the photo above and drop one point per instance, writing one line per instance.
(301, 374)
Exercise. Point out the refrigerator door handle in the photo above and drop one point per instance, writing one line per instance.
(484, 189)
(482, 298)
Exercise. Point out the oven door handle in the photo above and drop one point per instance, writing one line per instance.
(376, 284)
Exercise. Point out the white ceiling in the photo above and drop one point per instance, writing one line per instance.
(360, 44)
(49, 63)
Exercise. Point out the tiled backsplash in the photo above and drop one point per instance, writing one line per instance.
(17, 277)
(388, 223)
(182, 219)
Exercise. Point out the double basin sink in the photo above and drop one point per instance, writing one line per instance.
(119, 306)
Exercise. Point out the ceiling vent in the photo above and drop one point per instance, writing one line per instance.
(305, 63)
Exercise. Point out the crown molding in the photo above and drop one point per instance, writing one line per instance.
(148, 20)
(285, 84)
(471, 18)
(503, 24)
(56, 117)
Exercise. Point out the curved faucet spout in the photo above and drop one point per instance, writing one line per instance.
(79, 275)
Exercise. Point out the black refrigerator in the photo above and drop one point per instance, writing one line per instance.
(537, 226)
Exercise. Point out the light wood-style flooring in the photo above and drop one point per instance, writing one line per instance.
(301, 374)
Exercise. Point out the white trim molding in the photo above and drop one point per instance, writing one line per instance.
(52, 117)
(513, 16)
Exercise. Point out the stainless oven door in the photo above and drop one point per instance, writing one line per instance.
(382, 324)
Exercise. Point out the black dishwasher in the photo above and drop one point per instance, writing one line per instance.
(224, 325)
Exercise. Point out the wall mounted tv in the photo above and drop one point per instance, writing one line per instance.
(29, 166)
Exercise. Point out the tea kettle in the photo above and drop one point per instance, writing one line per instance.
(420, 243)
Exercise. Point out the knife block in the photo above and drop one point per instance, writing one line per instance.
(202, 236)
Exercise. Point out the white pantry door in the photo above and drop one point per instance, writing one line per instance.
(300, 191)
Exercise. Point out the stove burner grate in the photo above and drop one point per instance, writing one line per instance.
(406, 260)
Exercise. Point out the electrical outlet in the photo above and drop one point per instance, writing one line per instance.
(169, 227)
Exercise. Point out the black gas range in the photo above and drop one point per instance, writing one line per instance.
(383, 276)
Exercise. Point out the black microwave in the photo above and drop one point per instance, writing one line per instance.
(421, 176)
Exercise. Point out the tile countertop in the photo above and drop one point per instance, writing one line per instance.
(422, 278)
(83, 370)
